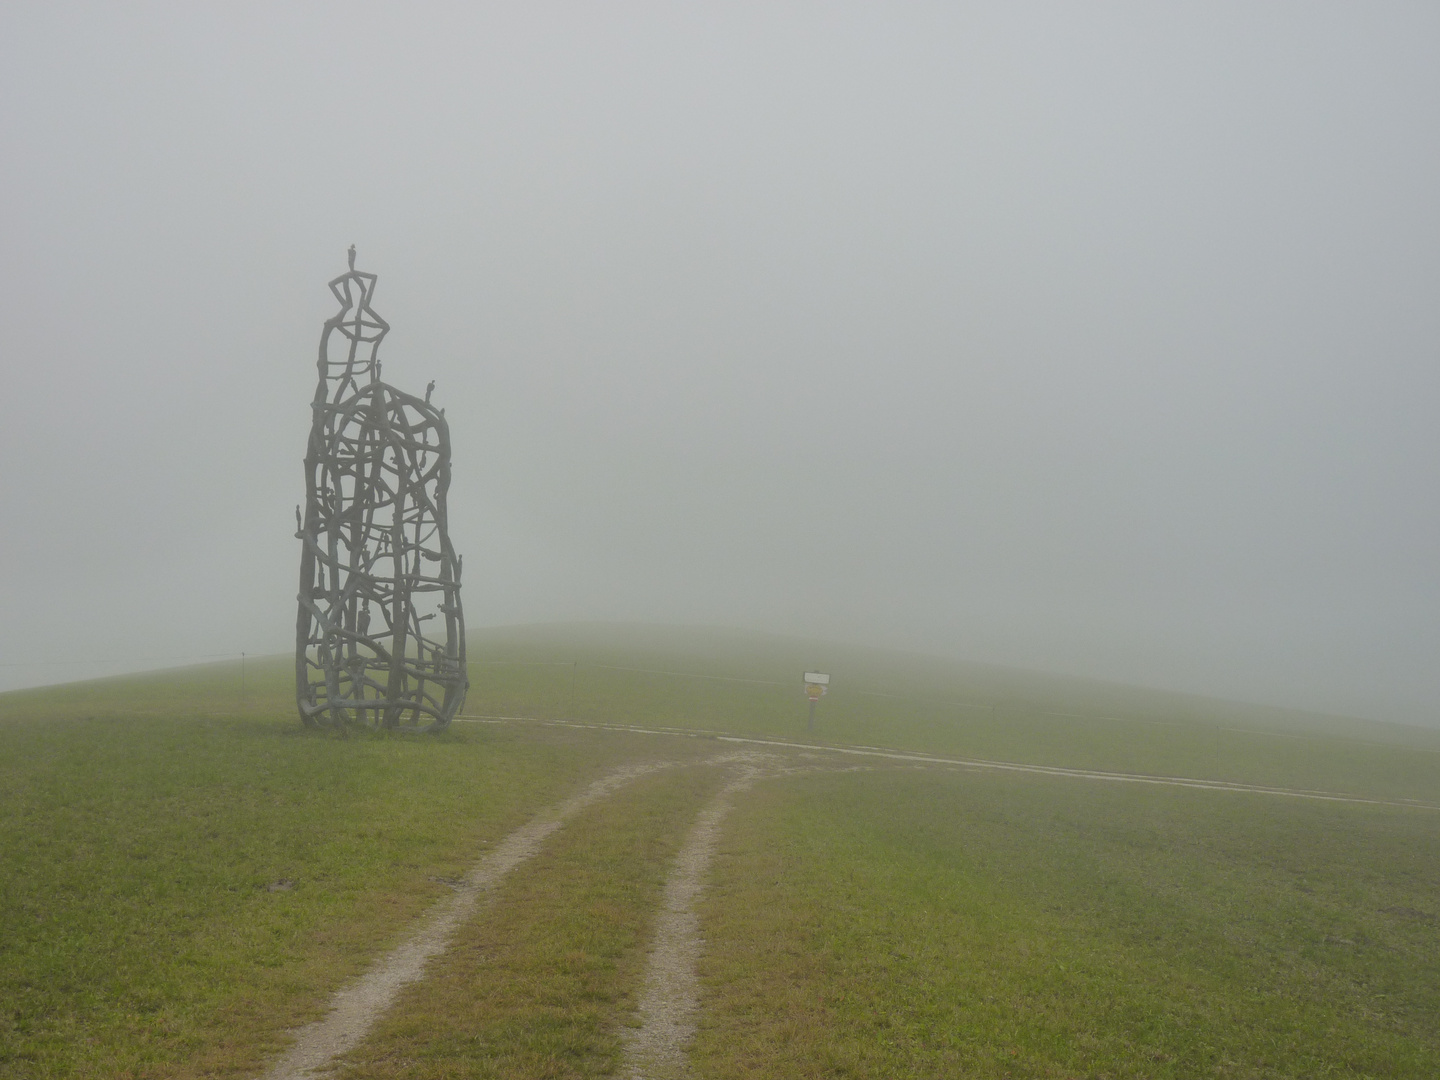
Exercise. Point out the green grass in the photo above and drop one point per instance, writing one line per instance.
(141, 935)
(898, 921)
(925, 924)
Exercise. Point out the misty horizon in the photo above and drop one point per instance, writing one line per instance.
(1099, 342)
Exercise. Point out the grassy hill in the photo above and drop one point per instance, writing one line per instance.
(721, 680)
(185, 873)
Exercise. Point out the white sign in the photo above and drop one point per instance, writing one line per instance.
(816, 678)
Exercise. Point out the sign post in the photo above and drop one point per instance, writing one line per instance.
(817, 684)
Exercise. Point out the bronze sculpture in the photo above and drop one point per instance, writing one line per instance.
(377, 564)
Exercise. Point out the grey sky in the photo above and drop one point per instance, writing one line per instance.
(1098, 338)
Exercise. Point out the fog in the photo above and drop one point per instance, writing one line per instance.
(1098, 339)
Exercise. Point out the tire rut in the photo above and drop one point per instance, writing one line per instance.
(659, 1048)
(355, 1008)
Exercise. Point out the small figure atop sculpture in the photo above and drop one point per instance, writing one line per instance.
(377, 564)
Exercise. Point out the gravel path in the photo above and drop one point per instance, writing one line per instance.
(659, 1048)
(354, 1009)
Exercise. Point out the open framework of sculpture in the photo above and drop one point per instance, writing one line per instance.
(380, 634)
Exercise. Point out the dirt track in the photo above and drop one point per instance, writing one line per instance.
(354, 1009)
(976, 763)
(658, 1048)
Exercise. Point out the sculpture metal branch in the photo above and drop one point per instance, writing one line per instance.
(380, 634)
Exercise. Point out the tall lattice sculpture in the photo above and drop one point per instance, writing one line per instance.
(380, 635)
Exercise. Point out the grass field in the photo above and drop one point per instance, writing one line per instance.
(894, 924)
(178, 892)
(186, 874)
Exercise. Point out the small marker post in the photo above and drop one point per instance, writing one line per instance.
(817, 684)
